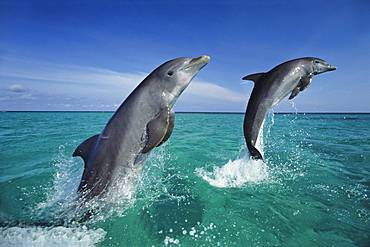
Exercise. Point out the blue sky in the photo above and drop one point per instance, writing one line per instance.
(89, 55)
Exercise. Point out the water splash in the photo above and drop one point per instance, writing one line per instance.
(56, 236)
(55, 221)
(61, 196)
(244, 169)
(62, 199)
(236, 173)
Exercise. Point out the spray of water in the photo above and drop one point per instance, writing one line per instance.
(243, 170)
(236, 173)
(51, 223)
(55, 236)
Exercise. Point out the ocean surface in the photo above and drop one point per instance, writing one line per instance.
(199, 188)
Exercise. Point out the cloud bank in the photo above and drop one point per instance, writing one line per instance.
(49, 86)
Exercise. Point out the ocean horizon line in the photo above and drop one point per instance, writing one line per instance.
(182, 112)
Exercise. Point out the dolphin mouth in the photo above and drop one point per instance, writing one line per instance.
(198, 62)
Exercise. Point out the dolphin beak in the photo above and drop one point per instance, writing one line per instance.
(331, 67)
(198, 62)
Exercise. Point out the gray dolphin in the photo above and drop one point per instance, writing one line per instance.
(271, 87)
(144, 121)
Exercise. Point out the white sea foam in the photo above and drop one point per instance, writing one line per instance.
(56, 236)
(242, 170)
(61, 198)
(236, 173)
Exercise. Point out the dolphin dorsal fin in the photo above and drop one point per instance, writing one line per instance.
(253, 77)
(84, 148)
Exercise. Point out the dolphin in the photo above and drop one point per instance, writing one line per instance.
(271, 87)
(145, 120)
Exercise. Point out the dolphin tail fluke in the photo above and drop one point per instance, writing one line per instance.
(255, 154)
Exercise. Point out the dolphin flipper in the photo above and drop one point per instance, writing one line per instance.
(171, 125)
(157, 129)
(295, 92)
(84, 148)
(304, 82)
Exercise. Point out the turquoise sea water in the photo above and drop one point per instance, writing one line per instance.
(199, 188)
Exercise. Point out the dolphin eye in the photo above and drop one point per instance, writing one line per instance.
(317, 61)
(170, 73)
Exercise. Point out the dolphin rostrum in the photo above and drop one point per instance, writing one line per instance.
(145, 120)
(271, 87)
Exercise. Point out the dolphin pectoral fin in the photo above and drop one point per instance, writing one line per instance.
(253, 77)
(84, 148)
(156, 130)
(295, 92)
(305, 82)
(171, 124)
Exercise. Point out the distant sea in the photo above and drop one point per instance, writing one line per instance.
(199, 188)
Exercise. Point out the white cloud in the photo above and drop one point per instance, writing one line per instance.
(95, 88)
(17, 88)
(44, 71)
(213, 91)
(28, 96)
